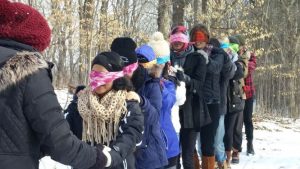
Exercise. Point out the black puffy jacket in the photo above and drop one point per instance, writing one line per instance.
(31, 122)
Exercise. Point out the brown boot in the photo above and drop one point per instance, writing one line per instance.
(196, 160)
(235, 157)
(208, 162)
(228, 159)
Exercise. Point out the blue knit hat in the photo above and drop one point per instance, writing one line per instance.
(145, 54)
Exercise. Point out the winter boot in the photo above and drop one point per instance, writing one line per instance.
(196, 160)
(250, 150)
(208, 162)
(228, 159)
(235, 157)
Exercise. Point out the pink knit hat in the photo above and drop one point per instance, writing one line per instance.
(179, 37)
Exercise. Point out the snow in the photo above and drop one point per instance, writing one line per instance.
(276, 144)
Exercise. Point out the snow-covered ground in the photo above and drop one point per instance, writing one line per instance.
(276, 144)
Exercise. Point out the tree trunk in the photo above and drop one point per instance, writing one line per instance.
(163, 20)
(178, 12)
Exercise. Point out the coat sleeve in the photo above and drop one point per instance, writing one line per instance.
(228, 68)
(252, 63)
(130, 134)
(239, 73)
(198, 75)
(43, 113)
(215, 64)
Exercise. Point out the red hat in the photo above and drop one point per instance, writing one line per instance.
(24, 24)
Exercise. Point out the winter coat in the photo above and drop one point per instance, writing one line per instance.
(169, 99)
(178, 59)
(74, 118)
(227, 73)
(130, 133)
(31, 121)
(236, 94)
(180, 100)
(151, 154)
(212, 80)
(249, 85)
(193, 113)
(129, 137)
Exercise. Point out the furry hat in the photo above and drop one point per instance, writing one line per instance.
(160, 47)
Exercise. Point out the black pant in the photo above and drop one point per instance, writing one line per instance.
(233, 131)
(208, 132)
(248, 119)
(188, 139)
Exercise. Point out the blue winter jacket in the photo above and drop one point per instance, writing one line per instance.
(170, 136)
(151, 154)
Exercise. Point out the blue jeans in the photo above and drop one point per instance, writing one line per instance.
(219, 143)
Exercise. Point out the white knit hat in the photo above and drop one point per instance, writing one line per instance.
(160, 46)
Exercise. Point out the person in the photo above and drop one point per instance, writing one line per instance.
(72, 115)
(193, 113)
(151, 154)
(110, 109)
(236, 101)
(227, 73)
(168, 86)
(32, 124)
(215, 60)
(250, 93)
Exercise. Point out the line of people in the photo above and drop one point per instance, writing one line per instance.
(143, 108)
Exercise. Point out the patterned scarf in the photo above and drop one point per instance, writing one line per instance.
(101, 117)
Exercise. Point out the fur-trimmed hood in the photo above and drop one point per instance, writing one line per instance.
(19, 66)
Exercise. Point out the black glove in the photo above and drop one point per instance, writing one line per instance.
(183, 77)
(101, 159)
(174, 80)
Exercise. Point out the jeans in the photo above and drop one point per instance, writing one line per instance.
(219, 143)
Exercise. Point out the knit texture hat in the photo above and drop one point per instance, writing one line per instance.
(125, 46)
(160, 47)
(179, 37)
(112, 61)
(24, 24)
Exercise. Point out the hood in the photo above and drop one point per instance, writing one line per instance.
(15, 65)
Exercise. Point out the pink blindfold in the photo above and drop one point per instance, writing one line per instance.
(101, 78)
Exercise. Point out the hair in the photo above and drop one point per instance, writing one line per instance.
(199, 27)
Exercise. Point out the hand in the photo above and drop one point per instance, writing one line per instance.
(103, 157)
(133, 96)
(183, 77)
(204, 54)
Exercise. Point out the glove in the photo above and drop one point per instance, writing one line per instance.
(133, 96)
(183, 77)
(103, 157)
(204, 54)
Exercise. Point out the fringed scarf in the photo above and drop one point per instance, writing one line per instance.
(101, 117)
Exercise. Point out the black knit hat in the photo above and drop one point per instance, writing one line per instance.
(214, 42)
(125, 46)
(112, 61)
(233, 39)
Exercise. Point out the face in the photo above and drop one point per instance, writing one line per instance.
(156, 70)
(177, 45)
(200, 45)
(101, 90)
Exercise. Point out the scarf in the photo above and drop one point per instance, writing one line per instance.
(101, 117)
